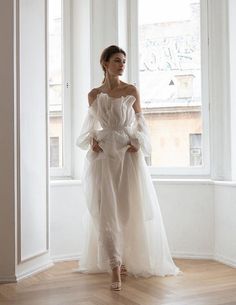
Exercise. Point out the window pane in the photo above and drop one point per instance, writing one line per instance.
(195, 149)
(170, 80)
(54, 151)
(55, 68)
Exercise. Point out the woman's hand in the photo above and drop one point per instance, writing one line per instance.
(95, 146)
(132, 148)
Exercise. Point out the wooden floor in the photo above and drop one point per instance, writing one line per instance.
(204, 282)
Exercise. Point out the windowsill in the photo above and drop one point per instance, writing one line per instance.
(225, 183)
(160, 181)
(65, 182)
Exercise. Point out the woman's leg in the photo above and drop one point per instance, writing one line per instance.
(111, 246)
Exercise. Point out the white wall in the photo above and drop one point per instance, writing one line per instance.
(33, 197)
(33, 130)
(24, 185)
(232, 67)
(187, 210)
(7, 184)
(104, 32)
(67, 211)
(219, 90)
(81, 73)
(225, 223)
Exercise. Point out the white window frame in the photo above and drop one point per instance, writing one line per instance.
(65, 170)
(133, 51)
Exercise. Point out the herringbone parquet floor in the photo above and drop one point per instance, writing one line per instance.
(204, 282)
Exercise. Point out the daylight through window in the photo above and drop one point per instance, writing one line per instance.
(55, 71)
(170, 80)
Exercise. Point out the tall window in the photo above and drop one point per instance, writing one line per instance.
(58, 80)
(170, 80)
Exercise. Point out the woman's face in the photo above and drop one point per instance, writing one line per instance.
(116, 64)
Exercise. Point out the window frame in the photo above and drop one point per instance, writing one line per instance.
(133, 46)
(65, 170)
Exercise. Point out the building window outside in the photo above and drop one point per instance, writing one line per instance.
(170, 80)
(195, 149)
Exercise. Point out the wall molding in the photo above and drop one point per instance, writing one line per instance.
(225, 260)
(8, 279)
(160, 181)
(34, 270)
(64, 258)
(225, 183)
(192, 255)
(175, 254)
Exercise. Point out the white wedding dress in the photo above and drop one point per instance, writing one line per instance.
(124, 223)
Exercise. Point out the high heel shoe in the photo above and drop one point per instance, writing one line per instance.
(123, 270)
(116, 286)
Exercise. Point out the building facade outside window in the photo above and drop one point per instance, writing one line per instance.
(170, 78)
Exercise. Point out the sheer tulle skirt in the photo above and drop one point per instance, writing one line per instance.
(124, 224)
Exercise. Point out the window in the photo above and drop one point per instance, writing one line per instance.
(58, 87)
(195, 151)
(172, 43)
(54, 152)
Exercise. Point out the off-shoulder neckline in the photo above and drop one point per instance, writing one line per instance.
(122, 96)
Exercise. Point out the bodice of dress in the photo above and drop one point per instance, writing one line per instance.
(115, 125)
(114, 113)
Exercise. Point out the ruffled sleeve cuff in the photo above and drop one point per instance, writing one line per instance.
(88, 130)
(141, 138)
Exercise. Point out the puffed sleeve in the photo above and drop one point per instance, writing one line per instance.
(141, 137)
(88, 130)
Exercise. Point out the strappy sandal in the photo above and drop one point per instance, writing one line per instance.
(116, 286)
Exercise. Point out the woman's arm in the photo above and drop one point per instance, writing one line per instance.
(132, 90)
(141, 133)
(137, 105)
(91, 98)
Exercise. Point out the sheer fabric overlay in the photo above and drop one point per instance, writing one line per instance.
(124, 222)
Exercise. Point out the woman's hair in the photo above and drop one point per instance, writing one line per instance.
(106, 55)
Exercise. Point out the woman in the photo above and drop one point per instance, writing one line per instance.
(126, 224)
